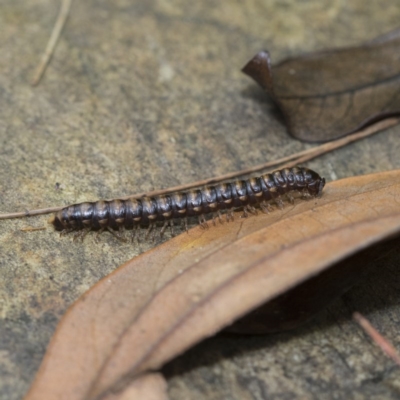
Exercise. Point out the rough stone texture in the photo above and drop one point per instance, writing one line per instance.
(149, 94)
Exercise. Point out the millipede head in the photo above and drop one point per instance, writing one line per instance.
(314, 182)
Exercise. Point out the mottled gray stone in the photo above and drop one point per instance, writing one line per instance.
(149, 94)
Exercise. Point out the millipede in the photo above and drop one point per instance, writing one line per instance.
(247, 194)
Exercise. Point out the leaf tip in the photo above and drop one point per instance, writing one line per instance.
(259, 68)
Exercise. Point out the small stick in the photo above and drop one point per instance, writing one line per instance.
(32, 228)
(377, 338)
(55, 34)
(330, 146)
(31, 213)
(295, 159)
(298, 158)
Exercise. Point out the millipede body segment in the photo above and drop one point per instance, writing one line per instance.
(146, 211)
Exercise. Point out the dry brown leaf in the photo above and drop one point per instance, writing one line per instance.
(329, 94)
(164, 301)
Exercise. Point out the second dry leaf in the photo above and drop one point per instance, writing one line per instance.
(329, 94)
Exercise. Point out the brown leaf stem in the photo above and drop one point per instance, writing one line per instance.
(377, 338)
(55, 35)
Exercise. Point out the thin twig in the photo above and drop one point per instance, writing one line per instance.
(33, 228)
(31, 213)
(330, 146)
(55, 34)
(377, 338)
(295, 159)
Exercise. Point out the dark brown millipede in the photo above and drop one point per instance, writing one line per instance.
(147, 211)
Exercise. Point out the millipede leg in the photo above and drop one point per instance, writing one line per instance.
(290, 197)
(96, 238)
(164, 227)
(279, 202)
(265, 207)
(171, 226)
(135, 230)
(116, 234)
(185, 224)
(305, 195)
(76, 235)
(121, 233)
(229, 216)
(200, 223)
(85, 232)
(81, 234)
(121, 230)
(245, 213)
(251, 210)
(153, 232)
(149, 229)
(218, 215)
(66, 231)
(203, 222)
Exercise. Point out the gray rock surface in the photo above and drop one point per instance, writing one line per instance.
(143, 95)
